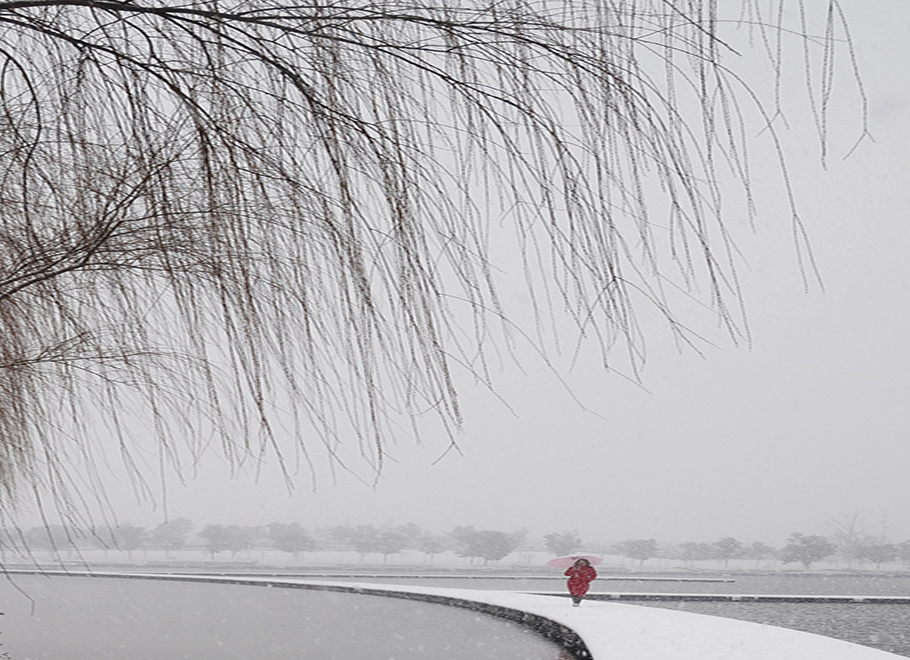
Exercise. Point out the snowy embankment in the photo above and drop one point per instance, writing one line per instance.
(603, 630)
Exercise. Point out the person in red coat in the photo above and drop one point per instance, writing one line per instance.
(581, 574)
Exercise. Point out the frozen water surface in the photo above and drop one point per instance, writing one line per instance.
(79, 618)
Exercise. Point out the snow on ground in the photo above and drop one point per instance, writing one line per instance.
(627, 632)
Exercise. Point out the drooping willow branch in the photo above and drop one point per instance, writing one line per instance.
(214, 211)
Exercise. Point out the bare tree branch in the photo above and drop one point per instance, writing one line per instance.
(212, 210)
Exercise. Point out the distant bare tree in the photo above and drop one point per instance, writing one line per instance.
(214, 211)
(850, 533)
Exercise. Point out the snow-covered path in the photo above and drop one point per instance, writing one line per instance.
(608, 631)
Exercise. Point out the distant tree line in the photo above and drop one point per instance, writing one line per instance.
(800, 549)
(478, 546)
(475, 545)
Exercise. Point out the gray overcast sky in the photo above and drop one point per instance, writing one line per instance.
(811, 423)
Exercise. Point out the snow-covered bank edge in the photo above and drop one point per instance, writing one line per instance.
(597, 630)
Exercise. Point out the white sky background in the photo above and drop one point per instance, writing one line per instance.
(809, 424)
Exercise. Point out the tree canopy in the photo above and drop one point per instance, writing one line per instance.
(640, 549)
(562, 543)
(489, 545)
(806, 549)
(214, 211)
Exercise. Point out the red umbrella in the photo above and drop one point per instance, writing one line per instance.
(569, 560)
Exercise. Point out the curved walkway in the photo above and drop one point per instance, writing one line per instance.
(597, 630)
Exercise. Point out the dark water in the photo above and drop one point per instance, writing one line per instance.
(885, 627)
(88, 618)
(74, 618)
(881, 626)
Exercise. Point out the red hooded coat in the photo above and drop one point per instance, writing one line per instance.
(580, 578)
